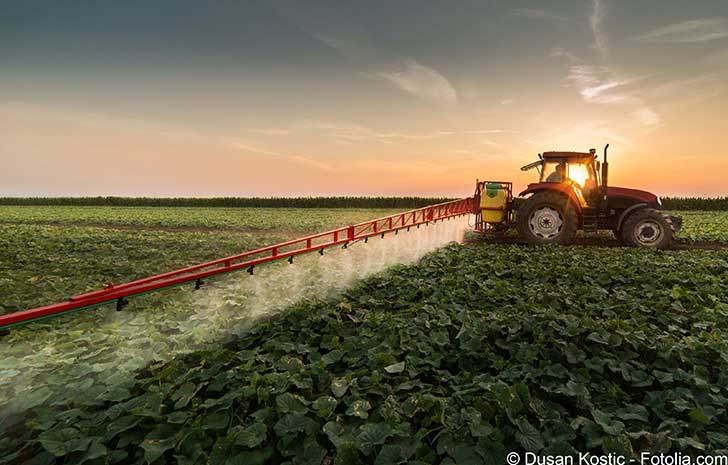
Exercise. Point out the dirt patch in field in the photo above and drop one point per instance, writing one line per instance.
(600, 242)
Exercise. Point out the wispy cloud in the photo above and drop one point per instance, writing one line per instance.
(537, 13)
(420, 81)
(404, 73)
(601, 85)
(355, 132)
(647, 116)
(249, 146)
(559, 52)
(697, 30)
(595, 21)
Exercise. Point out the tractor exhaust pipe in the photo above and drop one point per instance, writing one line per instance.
(605, 175)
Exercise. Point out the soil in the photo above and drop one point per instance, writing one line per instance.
(600, 242)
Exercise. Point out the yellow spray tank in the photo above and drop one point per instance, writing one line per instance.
(494, 202)
(494, 206)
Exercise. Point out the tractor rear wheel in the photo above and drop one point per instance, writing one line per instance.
(647, 227)
(547, 218)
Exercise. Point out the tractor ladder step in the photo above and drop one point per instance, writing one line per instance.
(590, 219)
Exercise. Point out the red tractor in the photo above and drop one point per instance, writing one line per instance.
(573, 194)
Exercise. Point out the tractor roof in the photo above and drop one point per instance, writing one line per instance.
(572, 155)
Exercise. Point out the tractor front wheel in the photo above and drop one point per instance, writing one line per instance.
(547, 218)
(647, 227)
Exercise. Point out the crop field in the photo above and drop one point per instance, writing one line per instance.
(710, 226)
(187, 218)
(455, 358)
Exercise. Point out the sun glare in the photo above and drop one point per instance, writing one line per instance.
(578, 174)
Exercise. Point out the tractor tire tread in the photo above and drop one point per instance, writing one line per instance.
(631, 221)
(562, 203)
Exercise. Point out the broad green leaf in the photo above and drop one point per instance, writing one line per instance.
(699, 417)
(122, 424)
(464, 454)
(339, 386)
(395, 368)
(373, 434)
(529, 437)
(290, 423)
(63, 441)
(159, 440)
(289, 403)
(359, 408)
(252, 436)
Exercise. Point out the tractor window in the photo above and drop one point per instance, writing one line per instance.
(553, 172)
(578, 173)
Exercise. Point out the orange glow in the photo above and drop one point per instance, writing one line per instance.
(578, 174)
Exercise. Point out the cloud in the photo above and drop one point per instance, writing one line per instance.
(248, 146)
(328, 25)
(355, 132)
(595, 21)
(601, 85)
(559, 52)
(647, 116)
(597, 84)
(697, 30)
(537, 13)
(420, 81)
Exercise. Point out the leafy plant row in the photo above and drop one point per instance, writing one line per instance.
(245, 219)
(474, 352)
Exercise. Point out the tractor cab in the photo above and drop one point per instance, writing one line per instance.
(578, 170)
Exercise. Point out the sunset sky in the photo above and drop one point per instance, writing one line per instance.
(278, 98)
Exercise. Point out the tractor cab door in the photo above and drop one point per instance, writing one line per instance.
(585, 176)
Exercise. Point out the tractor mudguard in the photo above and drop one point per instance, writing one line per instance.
(563, 188)
(627, 212)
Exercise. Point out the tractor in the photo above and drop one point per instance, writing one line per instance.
(572, 193)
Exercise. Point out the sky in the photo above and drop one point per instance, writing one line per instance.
(290, 98)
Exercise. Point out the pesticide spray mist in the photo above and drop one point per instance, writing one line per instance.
(62, 360)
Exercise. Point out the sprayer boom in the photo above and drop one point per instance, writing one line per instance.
(245, 261)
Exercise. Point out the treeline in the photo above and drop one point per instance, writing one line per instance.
(695, 203)
(255, 202)
(669, 203)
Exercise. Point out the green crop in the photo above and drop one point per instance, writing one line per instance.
(476, 351)
(310, 220)
(41, 265)
(704, 226)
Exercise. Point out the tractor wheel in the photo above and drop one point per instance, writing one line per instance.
(647, 227)
(547, 218)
